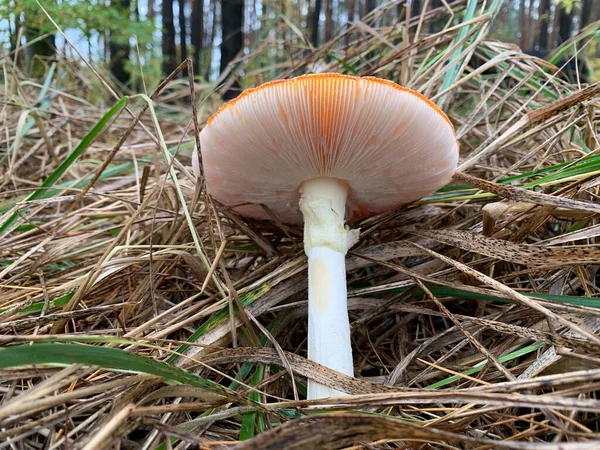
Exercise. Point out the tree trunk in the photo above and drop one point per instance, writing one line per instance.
(565, 23)
(211, 39)
(530, 25)
(43, 49)
(544, 22)
(119, 46)
(182, 34)
(328, 20)
(197, 33)
(370, 5)
(351, 5)
(523, 25)
(282, 29)
(554, 33)
(168, 41)
(415, 8)
(150, 10)
(586, 13)
(314, 29)
(232, 14)
(14, 34)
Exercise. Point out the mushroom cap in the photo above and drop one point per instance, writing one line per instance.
(389, 144)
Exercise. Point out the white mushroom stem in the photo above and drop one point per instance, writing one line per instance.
(326, 241)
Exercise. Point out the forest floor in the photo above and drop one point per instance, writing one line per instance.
(120, 280)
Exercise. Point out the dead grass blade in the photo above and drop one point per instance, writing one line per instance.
(344, 430)
(529, 255)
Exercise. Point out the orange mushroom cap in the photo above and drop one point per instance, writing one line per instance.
(389, 144)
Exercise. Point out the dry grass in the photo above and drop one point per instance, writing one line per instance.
(475, 313)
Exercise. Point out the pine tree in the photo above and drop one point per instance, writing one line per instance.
(232, 14)
(182, 33)
(119, 47)
(168, 40)
(197, 33)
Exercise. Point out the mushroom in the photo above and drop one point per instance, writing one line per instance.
(318, 149)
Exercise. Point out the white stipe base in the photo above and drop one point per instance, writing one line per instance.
(328, 324)
(326, 241)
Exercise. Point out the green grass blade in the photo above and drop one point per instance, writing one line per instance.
(585, 167)
(107, 358)
(220, 318)
(244, 371)
(111, 171)
(173, 174)
(455, 60)
(444, 291)
(506, 358)
(42, 192)
(250, 420)
(591, 31)
(45, 105)
(39, 306)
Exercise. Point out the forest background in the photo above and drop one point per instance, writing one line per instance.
(124, 36)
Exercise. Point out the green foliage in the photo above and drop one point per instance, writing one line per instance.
(87, 16)
(567, 5)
